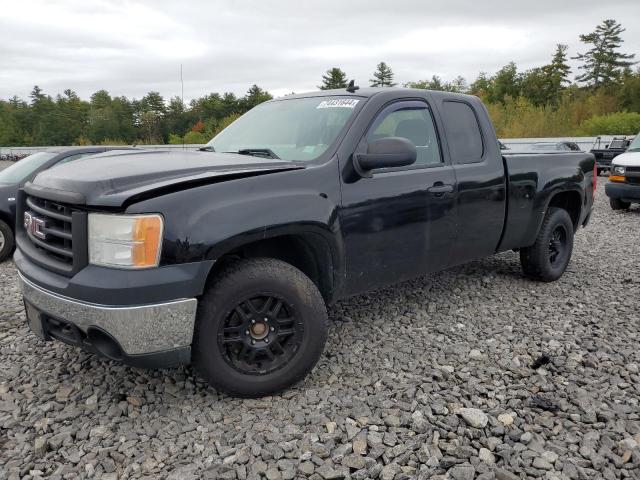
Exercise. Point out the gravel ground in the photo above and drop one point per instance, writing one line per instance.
(429, 379)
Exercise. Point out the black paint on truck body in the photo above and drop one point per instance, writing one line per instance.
(360, 233)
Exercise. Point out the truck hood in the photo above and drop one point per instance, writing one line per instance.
(627, 159)
(112, 180)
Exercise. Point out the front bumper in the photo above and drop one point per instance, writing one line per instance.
(150, 335)
(623, 191)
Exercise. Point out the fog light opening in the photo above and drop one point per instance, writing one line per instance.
(105, 344)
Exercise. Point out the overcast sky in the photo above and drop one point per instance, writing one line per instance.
(132, 47)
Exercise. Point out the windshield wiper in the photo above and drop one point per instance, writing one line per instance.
(258, 152)
(207, 148)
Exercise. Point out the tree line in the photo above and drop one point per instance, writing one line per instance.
(604, 98)
(69, 120)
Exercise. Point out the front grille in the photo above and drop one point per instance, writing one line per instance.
(57, 229)
(53, 234)
(633, 175)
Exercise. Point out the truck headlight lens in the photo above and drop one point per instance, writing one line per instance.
(618, 170)
(125, 241)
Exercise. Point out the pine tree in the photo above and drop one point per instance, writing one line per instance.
(383, 76)
(556, 75)
(36, 94)
(603, 63)
(334, 78)
(558, 70)
(255, 96)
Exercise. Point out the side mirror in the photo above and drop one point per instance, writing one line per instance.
(385, 153)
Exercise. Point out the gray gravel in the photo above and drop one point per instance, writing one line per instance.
(430, 379)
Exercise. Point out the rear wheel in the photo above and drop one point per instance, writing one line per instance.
(547, 259)
(617, 204)
(6, 241)
(261, 327)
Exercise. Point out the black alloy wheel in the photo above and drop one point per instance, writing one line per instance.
(557, 244)
(547, 259)
(260, 335)
(261, 327)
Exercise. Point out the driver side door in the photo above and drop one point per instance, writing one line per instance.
(400, 223)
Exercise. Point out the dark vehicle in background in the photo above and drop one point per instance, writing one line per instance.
(227, 258)
(14, 176)
(562, 146)
(605, 154)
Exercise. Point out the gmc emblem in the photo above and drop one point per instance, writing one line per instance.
(34, 225)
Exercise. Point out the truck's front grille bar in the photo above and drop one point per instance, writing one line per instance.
(55, 233)
(54, 236)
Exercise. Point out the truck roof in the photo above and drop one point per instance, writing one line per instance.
(85, 148)
(366, 92)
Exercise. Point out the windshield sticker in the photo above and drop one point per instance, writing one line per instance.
(338, 103)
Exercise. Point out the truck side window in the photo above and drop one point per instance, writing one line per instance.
(463, 132)
(416, 125)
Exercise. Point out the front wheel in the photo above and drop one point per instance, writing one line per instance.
(547, 259)
(617, 204)
(261, 327)
(6, 241)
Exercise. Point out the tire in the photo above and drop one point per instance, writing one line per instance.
(232, 353)
(7, 241)
(547, 259)
(617, 204)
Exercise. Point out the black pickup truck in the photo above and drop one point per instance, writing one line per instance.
(226, 258)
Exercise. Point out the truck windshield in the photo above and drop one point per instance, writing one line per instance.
(635, 145)
(294, 129)
(19, 171)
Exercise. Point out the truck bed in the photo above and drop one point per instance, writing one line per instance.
(533, 178)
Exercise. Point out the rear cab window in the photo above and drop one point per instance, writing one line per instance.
(463, 132)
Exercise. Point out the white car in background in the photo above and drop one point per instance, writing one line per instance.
(623, 187)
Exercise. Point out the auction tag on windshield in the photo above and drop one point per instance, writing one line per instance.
(338, 103)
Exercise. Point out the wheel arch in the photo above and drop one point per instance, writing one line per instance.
(569, 200)
(309, 251)
(6, 218)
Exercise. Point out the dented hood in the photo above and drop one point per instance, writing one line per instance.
(111, 180)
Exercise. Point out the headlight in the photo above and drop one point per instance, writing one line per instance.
(125, 241)
(618, 170)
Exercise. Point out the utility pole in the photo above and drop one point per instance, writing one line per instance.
(182, 99)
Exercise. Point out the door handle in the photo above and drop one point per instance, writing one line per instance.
(440, 189)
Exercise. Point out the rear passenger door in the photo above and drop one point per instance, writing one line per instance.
(401, 222)
(477, 161)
